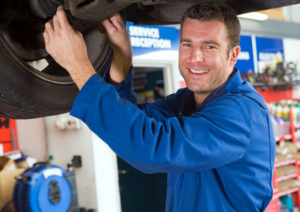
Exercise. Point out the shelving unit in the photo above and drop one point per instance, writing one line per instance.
(274, 204)
(287, 177)
(285, 163)
(290, 191)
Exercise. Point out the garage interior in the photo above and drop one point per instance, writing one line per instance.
(93, 178)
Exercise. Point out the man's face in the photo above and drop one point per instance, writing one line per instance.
(204, 61)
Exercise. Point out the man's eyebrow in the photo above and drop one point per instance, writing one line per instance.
(205, 42)
(211, 42)
(185, 40)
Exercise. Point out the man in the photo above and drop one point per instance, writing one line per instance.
(214, 138)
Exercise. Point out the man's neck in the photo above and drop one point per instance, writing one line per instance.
(200, 97)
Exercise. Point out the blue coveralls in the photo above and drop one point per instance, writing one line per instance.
(219, 157)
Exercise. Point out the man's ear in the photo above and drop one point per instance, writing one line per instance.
(233, 55)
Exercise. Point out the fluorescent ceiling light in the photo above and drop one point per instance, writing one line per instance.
(254, 16)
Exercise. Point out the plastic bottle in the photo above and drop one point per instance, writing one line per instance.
(278, 114)
(273, 111)
(278, 111)
(286, 113)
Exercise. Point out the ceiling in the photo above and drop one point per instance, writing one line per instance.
(287, 13)
(242, 6)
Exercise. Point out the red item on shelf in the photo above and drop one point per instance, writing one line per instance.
(8, 135)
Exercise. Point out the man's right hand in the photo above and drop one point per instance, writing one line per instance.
(115, 28)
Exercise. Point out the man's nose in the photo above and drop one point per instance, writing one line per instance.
(197, 55)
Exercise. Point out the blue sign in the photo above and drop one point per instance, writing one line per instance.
(245, 60)
(268, 49)
(147, 38)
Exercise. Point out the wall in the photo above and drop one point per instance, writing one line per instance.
(32, 138)
(97, 179)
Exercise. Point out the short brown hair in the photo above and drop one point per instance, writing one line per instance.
(208, 10)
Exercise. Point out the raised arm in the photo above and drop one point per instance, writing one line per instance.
(115, 29)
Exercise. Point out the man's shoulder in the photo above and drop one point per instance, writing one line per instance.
(244, 98)
(250, 93)
(244, 101)
(242, 89)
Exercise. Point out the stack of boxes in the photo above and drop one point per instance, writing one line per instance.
(8, 172)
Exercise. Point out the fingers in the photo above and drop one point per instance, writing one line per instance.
(56, 24)
(46, 38)
(49, 31)
(113, 23)
(62, 18)
(48, 34)
(51, 28)
(117, 21)
(79, 34)
(108, 26)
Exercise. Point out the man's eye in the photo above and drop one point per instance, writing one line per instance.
(186, 44)
(210, 47)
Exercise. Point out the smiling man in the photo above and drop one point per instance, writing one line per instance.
(214, 138)
(203, 56)
(207, 52)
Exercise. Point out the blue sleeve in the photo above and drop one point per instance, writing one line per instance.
(125, 87)
(211, 138)
(161, 109)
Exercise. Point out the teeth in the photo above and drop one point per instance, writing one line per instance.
(198, 71)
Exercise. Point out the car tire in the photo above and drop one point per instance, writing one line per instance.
(29, 93)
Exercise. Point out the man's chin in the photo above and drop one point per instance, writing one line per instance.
(199, 90)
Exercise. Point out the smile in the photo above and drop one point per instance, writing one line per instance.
(198, 71)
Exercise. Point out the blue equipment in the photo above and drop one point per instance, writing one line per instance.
(45, 188)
